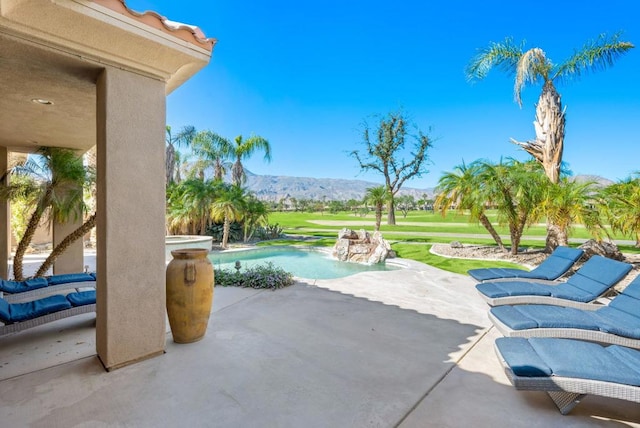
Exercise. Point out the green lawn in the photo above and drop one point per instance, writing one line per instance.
(416, 228)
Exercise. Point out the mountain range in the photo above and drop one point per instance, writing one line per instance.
(275, 188)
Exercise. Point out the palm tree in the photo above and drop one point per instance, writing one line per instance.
(213, 150)
(569, 202)
(620, 203)
(183, 138)
(243, 149)
(57, 191)
(189, 205)
(255, 214)
(515, 189)
(229, 207)
(533, 66)
(463, 190)
(378, 197)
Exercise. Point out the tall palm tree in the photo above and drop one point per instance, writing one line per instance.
(533, 66)
(378, 197)
(213, 150)
(229, 207)
(620, 203)
(184, 137)
(244, 149)
(463, 190)
(57, 191)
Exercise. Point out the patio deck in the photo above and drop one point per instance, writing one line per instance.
(408, 348)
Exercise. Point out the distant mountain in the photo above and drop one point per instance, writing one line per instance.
(601, 181)
(274, 188)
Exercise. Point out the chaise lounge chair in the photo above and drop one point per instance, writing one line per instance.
(13, 291)
(592, 280)
(552, 268)
(21, 316)
(617, 323)
(570, 369)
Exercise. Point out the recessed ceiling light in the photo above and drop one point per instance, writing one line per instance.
(42, 101)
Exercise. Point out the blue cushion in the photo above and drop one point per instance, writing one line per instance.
(521, 357)
(633, 288)
(551, 268)
(549, 316)
(613, 321)
(13, 287)
(82, 298)
(495, 273)
(568, 253)
(603, 270)
(5, 311)
(583, 360)
(513, 288)
(69, 278)
(626, 304)
(36, 308)
(513, 318)
(631, 357)
(568, 292)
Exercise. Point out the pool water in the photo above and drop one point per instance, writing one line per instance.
(308, 264)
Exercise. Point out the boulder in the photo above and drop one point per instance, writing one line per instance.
(604, 249)
(361, 247)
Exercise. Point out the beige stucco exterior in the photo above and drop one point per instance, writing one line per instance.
(101, 73)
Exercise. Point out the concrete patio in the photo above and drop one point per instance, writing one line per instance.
(408, 348)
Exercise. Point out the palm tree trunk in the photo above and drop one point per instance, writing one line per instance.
(225, 232)
(62, 246)
(34, 221)
(378, 217)
(492, 231)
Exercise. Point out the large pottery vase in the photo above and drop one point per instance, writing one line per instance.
(189, 294)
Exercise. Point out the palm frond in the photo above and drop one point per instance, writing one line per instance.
(532, 66)
(595, 55)
(504, 55)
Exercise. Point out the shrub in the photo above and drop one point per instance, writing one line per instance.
(235, 232)
(265, 276)
(270, 231)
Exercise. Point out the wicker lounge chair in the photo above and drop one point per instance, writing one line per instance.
(617, 323)
(553, 267)
(592, 280)
(21, 316)
(570, 369)
(14, 291)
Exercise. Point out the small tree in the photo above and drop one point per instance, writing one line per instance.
(229, 207)
(620, 204)
(378, 197)
(406, 203)
(385, 154)
(462, 189)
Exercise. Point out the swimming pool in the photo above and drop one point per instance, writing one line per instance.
(310, 264)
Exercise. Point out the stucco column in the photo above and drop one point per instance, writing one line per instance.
(72, 260)
(130, 322)
(5, 221)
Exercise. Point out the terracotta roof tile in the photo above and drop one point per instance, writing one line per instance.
(186, 32)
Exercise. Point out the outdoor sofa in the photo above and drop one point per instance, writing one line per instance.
(589, 282)
(568, 369)
(21, 316)
(13, 291)
(552, 268)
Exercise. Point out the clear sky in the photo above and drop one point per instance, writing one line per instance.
(305, 75)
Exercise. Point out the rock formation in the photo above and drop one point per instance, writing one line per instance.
(361, 247)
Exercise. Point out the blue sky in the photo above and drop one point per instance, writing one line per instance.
(305, 75)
